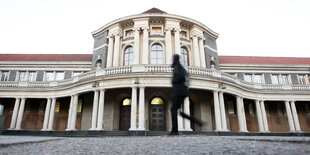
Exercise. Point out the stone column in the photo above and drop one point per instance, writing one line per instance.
(243, 116)
(70, 113)
(52, 114)
(223, 113)
(20, 114)
(239, 113)
(259, 117)
(145, 52)
(217, 112)
(168, 46)
(289, 116)
(95, 111)
(295, 116)
(116, 50)
(141, 108)
(136, 48)
(15, 111)
(196, 51)
(133, 116)
(180, 120)
(187, 123)
(74, 112)
(177, 44)
(202, 53)
(100, 111)
(264, 116)
(46, 114)
(110, 52)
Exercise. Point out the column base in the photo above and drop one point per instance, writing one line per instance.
(99, 129)
(70, 130)
(141, 129)
(92, 129)
(132, 129)
(188, 129)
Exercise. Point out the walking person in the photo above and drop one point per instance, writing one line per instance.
(180, 91)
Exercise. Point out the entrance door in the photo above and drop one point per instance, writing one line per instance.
(157, 115)
(124, 122)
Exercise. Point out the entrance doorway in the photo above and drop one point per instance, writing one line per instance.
(157, 114)
(124, 122)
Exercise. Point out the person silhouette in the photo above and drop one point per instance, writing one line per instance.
(180, 91)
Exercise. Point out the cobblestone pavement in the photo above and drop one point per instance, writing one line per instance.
(189, 144)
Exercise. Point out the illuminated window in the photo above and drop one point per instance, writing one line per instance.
(184, 57)
(128, 56)
(156, 30)
(80, 103)
(57, 107)
(157, 100)
(157, 55)
(127, 102)
(128, 33)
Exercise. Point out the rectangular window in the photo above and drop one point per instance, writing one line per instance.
(248, 77)
(32, 76)
(57, 107)
(49, 76)
(302, 79)
(251, 109)
(22, 76)
(274, 79)
(231, 108)
(80, 105)
(156, 30)
(41, 107)
(183, 34)
(257, 79)
(4, 76)
(128, 33)
(60, 75)
(284, 79)
(267, 109)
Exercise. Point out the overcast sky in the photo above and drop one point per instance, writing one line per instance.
(245, 27)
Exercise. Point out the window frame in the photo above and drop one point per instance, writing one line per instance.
(156, 51)
(54, 75)
(125, 33)
(160, 26)
(7, 78)
(130, 54)
(182, 56)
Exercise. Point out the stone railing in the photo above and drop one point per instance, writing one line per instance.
(193, 71)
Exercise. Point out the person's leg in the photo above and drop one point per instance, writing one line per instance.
(174, 111)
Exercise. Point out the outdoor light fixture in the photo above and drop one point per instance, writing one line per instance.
(222, 86)
(136, 81)
(95, 84)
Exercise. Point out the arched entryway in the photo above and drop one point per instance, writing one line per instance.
(125, 108)
(157, 114)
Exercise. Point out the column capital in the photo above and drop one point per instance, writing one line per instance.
(145, 28)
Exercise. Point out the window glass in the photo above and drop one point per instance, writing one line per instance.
(231, 108)
(80, 103)
(302, 79)
(4, 76)
(126, 102)
(257, 79)
(57, 107)
(157, 54)
(156, 30)
(251, 109)
(284, 79)
(49, 76)
(22, 76)
(274, 79)
(184, 57)
(183, 34)
(128, 56)
(157, 100)
(128, 33)
(60, 75)
(32, 76)
(248, 77)
(41, 106)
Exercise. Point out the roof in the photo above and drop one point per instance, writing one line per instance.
(154, 10)
(263, 60)
(46, 57)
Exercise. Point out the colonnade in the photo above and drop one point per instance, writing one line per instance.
(184, 125)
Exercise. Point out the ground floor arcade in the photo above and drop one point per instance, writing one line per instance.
(140, 108)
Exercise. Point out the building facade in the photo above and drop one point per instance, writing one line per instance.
(125, 84)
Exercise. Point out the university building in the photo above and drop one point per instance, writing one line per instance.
(125, 83)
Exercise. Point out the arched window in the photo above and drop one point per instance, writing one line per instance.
(157, 100)
(157, 54)
(128, 56)
(184, 57)
(126, 102)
